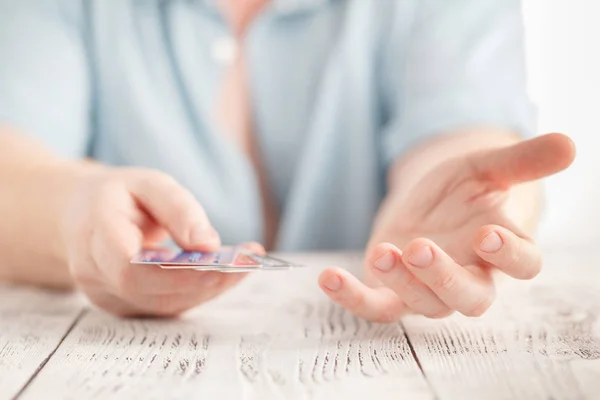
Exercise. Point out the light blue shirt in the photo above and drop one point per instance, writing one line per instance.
(341, 88)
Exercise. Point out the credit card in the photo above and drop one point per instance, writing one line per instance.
(249, 262)
(228, 259)
(171, 256)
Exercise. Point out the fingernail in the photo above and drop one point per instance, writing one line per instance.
(203, 235)
(386, 262)
(491, 244)
(422, 257)
(333, 283)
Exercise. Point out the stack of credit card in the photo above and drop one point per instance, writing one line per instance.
(228, 259)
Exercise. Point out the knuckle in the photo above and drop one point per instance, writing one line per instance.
(446, 282)
(356, 301)
(159, 180)
(524, 267)
(480, 308)
(181, 210)
(513, 257)
(414, 300)
(409, 281)
(150, 181)
(391, 314)
(163, 178)
(386, 318)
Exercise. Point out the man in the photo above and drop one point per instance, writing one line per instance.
(395, 126)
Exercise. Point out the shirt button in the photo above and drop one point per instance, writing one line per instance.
(224, 50)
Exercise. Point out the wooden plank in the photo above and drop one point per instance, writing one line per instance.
(32, 324)
(274, 336)
(540, 341)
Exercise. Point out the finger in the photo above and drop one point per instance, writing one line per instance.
(114, 243)
(464, 291)
(176, 209)
(151, 230)
(254, 247)
(386, 263)
(525, 161)
(516, 256)
(379, 305)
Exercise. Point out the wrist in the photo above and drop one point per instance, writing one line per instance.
(67, 178)
(41, 196)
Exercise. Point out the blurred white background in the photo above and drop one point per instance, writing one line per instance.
(563, 45)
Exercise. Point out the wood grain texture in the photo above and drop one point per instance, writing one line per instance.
(541, 340)
(277, 336)
(32, 324)
(274, 336)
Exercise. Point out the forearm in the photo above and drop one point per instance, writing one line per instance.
(524, 201)
(34, 185)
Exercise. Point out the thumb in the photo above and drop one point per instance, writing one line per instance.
(175, 209)
(525, 161)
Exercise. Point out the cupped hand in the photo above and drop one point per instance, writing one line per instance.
(111, 215)
(436, 249)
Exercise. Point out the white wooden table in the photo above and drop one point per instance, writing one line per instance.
(277, 336)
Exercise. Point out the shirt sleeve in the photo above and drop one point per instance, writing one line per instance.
(44, 85)
(460, 64)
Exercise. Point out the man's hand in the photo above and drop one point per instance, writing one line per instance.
(111, 215)
(435, 250)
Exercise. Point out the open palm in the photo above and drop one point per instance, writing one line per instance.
(455, 231)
